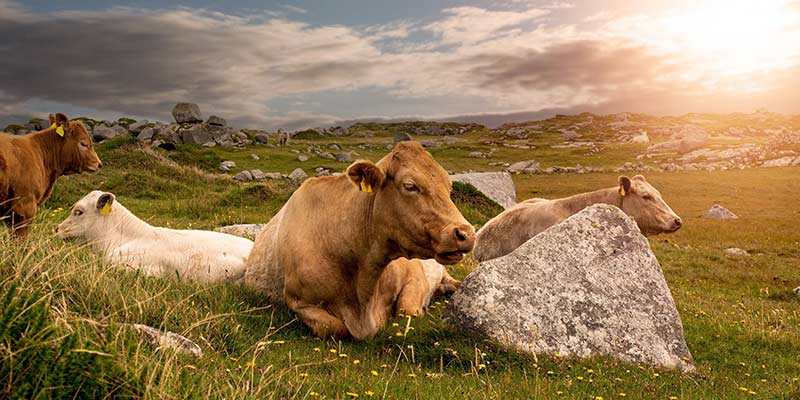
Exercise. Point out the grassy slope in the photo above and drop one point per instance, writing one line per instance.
(740, 318)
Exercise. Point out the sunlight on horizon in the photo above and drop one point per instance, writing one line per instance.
(737, 37)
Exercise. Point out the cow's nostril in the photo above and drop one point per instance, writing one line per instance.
(460, 235)
(678, 222)
(100, 165)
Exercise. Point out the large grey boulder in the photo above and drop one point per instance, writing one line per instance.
(589, 286)
(497, 186)
(196, 134)
(719, 212)
(187, 113)
(244, 230)
(402, 137)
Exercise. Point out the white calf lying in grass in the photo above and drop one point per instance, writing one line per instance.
(113, 231)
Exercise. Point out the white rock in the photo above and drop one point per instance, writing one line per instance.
(589, 286)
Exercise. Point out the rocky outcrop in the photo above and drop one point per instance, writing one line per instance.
(589, 286)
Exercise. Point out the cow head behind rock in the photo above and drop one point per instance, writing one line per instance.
(413, 194)
(644, 203)
(76, 151)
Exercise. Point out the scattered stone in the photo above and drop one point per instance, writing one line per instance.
(298, 175)
(589, 286)
(327, 156)
(569, 135)
(261, 138)
(187, 113)
(169, 340)
(477, 154)
(402, 137)
(217, 121)
(244, 176)
(719, 212)
(497, 186)
(334, 147)
(255, 156)
(344, 157)
(258, 175)
(782, 162)
(227, 166)
(451, 140)
(641, 138)
(428, 143)
(735, 251)
(302, 158)
(524, 167)
(244, 230)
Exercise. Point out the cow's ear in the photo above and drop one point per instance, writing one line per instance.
(105, 201)
(624, 185)
(365, 175)
(60, 119)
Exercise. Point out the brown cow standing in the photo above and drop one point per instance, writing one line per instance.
(325, 250)
(30, 165)
(514, 226)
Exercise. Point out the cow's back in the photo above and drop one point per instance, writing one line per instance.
(515, 226)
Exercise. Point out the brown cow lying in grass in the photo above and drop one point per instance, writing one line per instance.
(326, 249)
(30, 165)
(514, 226)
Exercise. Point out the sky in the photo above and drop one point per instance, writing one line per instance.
(300, 64)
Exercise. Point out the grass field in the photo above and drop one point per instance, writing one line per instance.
(63, 309)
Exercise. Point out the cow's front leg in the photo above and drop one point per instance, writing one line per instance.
(21, 218)
(448, 285)
(322, 323)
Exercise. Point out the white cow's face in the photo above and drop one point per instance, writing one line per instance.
(85, 215)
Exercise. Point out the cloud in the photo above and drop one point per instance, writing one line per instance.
(248, 68)
(469, 25)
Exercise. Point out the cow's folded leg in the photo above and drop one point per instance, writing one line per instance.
(411, 299)
(22, 214)
(321, 322)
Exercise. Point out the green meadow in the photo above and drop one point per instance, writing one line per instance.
(63, 310)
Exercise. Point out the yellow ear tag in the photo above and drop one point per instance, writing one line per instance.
(622, 191)
(366, 187)
(59, 130)
(106, 210)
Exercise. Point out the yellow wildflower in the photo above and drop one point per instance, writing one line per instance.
(373, 372)
(353, 395)
(356, 362)
(332, 351)
(304, 374)
(369, 393)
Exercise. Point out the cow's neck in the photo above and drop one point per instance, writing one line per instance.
(578, 202)
(121, 226)
(49, 146)
(370, 249)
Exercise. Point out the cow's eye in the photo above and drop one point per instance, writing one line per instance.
(77, 213)
(647, 197)
(85, 144)
(410, 187)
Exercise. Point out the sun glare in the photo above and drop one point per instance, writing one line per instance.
(737, 37)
